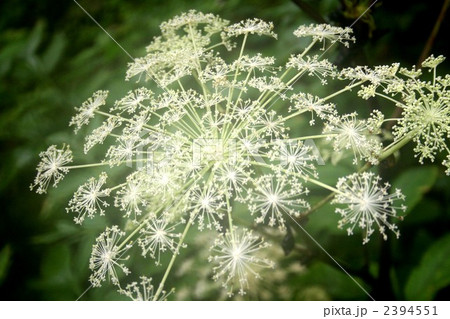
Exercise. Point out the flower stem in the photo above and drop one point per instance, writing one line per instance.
(347, 88)
(317, 206)
(390, 150)
(230, 218)
(304, 177)
(172, 260)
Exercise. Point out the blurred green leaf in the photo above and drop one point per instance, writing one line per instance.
(426, 211)
(35, 37)
(330, 174)
(335, 282)
(5, 257)
(432, 274)
(33, 43)
(64, 229)
(53, 53)
(288, 242)
(56, 274)
(414, 183)
(15, 44)
(56, 264)
(324, 219)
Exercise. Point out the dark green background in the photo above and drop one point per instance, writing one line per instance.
(52, 57)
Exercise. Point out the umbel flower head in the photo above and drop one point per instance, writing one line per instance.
(274, 198)
(107, 256)
(142, 291)
(87, 200)
(235, 258)
(213, 139)
(349, 132)
(157, 237)
(322, 32)
(251, 26)
(368, 204)
(87, 110)
(426, 113)
(51, 167)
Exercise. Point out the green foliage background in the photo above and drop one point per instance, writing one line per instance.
(52, 57)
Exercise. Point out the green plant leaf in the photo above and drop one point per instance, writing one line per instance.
(324, 219)
(330, 174)
(55, 268)
(34, 41)
(432, 274)
(53, 52)
(288, 242)
(414, 183)
(334, 281)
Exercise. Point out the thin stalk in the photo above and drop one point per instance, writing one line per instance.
(86, 165)
(347, 88)
(396, 146)
(390, 99)
(172, 260)
(230, 218)
(388, 151)
(304, 177)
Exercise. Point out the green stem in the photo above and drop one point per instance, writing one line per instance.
(317, 206)
(86, 165)
(397, 103)
(172, 260)
(230, 219)
(388, 152)
(304, 177)
(137, 229)
(309, 137)
(347, 88)
(104, 164)
(150, 128)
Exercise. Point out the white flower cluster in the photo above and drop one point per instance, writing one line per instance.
(426, 116)
(313, 66)
(87, 110)
(107, 256)
(51, 167)
(87, 199)
(143, 291)
(322, 32)
(234, 256)
(368, 204)
(251, 26)
(349, 132)
(204, 144)
(425, 105)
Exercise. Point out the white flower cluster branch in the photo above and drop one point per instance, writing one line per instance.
(207, 142)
